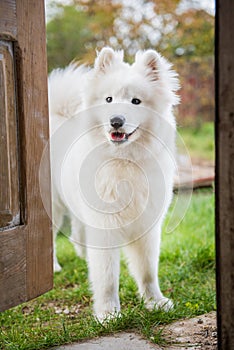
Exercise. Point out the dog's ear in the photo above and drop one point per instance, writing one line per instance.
(150, 60)
(106, 58)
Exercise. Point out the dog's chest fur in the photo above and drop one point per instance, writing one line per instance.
(123, 185)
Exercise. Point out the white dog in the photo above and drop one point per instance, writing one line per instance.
(112, 150)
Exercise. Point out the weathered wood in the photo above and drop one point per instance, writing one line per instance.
(225, 171)
(9, 175)
(8, 29)
(33, 61)
(26, 250)
(12, 265)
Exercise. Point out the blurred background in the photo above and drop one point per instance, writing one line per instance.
(182, 30)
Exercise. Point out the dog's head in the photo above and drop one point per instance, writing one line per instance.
(129, 90)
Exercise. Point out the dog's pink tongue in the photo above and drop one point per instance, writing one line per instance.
(117, 136)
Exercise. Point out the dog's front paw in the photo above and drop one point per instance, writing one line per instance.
(164, 304)
(107, 311)
(106, 317)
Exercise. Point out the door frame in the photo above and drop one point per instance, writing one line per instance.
(224, 184)
(26, 248)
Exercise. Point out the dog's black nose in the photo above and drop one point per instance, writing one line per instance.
(117, 121)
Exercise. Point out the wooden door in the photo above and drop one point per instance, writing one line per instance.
(25, 229)
(225, 171)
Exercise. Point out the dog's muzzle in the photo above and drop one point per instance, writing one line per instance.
(118, 134)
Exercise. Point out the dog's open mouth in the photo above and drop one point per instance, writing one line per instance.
(118, 136)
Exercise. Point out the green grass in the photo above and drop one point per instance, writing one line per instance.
(63, 315)
(199, 141)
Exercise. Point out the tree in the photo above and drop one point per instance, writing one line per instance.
(193, 35)
(77, 30)
(184, 35)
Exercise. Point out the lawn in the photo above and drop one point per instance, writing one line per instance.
(199, 141)
(63, 315)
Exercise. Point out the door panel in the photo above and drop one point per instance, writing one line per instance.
(25, 237)
(9, 176)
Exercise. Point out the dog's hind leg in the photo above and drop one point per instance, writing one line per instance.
(58, 216)
(78, 236)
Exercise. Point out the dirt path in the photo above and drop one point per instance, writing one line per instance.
(195, 333)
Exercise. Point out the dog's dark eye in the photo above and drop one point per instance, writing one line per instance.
(109, 99)
(136, 101)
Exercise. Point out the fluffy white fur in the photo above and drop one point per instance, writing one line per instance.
(145, 159)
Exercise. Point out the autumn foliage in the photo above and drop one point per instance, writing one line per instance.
(184, 35)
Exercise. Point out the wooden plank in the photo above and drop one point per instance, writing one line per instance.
(34, 117)
(8, 29)
(9, 174)
(225, 171)
(12, 265)
(4, 174)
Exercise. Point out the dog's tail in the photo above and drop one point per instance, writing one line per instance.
(65, 90)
